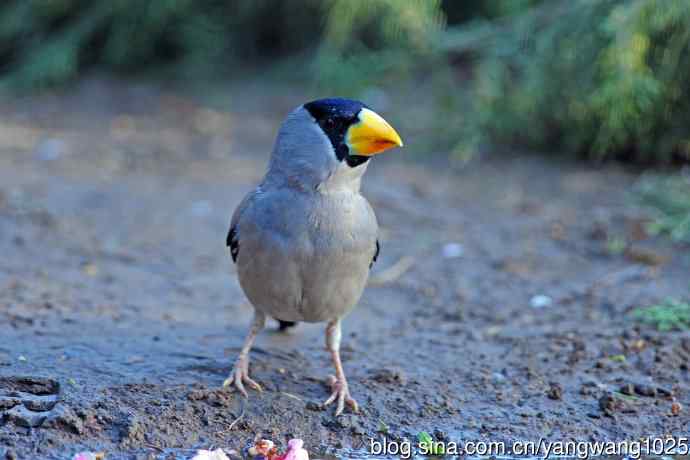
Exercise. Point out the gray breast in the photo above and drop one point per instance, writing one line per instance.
(305, 255)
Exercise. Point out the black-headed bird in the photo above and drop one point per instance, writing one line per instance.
(305, 238)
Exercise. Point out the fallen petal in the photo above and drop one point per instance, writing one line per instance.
(217, 454)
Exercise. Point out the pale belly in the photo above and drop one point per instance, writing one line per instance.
(306, 257)
(312, 288)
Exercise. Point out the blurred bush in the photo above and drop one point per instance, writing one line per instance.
(48, 42)
(604, 78)
(668, 199)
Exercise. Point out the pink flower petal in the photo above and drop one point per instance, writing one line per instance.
(217, 454)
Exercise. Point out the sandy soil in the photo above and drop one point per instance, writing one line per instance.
(121, 314)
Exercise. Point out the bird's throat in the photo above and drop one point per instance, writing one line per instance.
(355, 160)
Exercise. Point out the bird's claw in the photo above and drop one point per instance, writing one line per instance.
(341, 393)
(239, 376)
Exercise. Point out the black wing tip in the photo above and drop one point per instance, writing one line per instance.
(376, 254)
(232, 243)
(284, 325)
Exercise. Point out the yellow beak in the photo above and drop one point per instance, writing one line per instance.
(371, 135)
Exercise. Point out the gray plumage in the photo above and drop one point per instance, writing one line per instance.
(305, 238)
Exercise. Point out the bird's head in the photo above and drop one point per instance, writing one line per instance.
(331, 140)
(355, 131)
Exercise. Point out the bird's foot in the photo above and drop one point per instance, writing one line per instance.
(341, 393)
(240, 375)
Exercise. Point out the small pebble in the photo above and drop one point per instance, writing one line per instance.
(645, 390)
(540, 301)
(498, 379)
(555, 391)
(453, 250)
(676, 408)
(314, 406)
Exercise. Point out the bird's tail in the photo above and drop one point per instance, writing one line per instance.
(283, 325)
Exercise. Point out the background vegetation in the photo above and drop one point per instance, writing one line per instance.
(603, 79)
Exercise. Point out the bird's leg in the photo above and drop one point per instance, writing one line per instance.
(341, 392)
(240, 372)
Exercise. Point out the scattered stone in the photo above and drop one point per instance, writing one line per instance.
(664, 392)
(645, 390)
(345, 421)
(609, 403)
(676, 408)
(314, 406)
(498, 379)
(8, 402)
(39, 403)
(145, 456)
(440, 435)
(358, 428)
(526, 412)
(63, 418)
(640, 389)
(389, 376)
(555, 391)
(540, 301)
(10, 455)
(35, 385)
(219, 398)
(196, 395)
(21, 416)
(627, 389)
(133, 432)
(453, 250)
(645, 256)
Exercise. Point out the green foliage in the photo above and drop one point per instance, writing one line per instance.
(669, 199)
(458, 12)
(50, 42)
(365, 41)
(428, 445)
(616, 245)
(604, 78)
(666, 316)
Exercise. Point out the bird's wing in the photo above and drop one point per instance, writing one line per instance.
(232, 240)
(233, 243)
(376, 254)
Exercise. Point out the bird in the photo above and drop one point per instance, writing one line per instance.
(305, 239)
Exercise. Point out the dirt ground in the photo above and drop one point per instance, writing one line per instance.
(121, 314)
